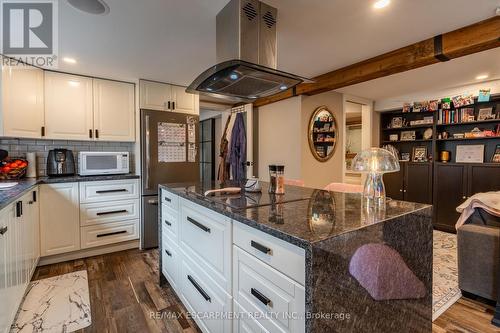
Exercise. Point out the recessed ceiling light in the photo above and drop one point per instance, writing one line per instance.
(482, 77)
(283, 87)
(381, 4)
(69, 60)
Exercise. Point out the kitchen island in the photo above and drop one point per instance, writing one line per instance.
(309, 260)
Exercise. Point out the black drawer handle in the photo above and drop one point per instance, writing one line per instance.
(167, 199)
(112, 212)
(112, 233)
(3, 230)
(257, 294)
(111, 191)
(200, 289)
(168, 253)
(260, 247)
(168, 223)
(19, 209)
(198, 224)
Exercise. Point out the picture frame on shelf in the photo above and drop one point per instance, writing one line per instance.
(397, 122)
(408, 136)
(496, 155)
(485, 114)
(469, 154)
(393, 137)
(419, 154)
(405, 157)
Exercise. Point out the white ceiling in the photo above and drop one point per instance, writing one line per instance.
(438, 77)
(174, 40)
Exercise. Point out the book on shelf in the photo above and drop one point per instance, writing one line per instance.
(457, 116)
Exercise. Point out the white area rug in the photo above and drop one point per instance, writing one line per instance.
(56, 304)
(445, 291)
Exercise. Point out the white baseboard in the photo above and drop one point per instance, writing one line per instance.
(57, 258)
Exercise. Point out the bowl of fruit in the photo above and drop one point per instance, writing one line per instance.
(13, 168)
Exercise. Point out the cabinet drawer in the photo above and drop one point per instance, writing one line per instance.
(109, 190)
(105, 212)
(206, 237)
(201, 295)
(170, 261)
(259, 288)
(109, 233)
(169, 221)
(244, 322)
(170, 200)
(285, 257)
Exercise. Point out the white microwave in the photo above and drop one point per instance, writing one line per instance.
(102, 163)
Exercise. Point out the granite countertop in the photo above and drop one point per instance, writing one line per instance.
(302, 216)
(24, 185)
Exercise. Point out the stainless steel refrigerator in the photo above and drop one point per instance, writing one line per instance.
(161, 165)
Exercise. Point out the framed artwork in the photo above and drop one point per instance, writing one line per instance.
(470, 154)
(408, 136)
(485, 114)
(397, 122)
(419, 154)
(405, 157)
(496, 155)
(393, 137)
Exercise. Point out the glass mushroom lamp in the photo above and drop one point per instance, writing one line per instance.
(375, 162)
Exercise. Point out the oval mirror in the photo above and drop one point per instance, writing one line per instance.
(322, 134)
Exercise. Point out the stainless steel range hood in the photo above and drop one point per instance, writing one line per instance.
(246, 55)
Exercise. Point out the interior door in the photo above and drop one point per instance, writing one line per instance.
(450, 192)
(22, 101)
(114, 106)
(68, 107)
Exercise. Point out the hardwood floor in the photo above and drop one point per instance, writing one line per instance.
(124, 294)
(125, 297)
(466, 316)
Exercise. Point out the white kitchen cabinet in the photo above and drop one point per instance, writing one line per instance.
(155, 95)
(18, 255)
(68, 107)
(184, 102)
(59, 218)
(22, 101)
(114, 106)
(167, 97)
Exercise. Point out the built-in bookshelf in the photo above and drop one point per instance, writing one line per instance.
(445, 184)
(447, 129)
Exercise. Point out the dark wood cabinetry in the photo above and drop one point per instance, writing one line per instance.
(413, 182)
(454, 183)
(445, 185)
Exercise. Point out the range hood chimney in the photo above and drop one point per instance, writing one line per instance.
(246, 55)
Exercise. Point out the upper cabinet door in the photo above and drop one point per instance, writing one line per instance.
(155, 95)
(114, 116)
(22, 102)
(68, 106)
(183, 101)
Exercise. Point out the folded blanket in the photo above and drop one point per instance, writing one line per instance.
(489, 201)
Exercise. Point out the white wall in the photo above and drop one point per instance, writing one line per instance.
(280, 137)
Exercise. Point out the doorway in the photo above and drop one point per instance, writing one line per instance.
(207, 150)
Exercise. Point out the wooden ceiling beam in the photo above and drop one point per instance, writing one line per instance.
(474, 38)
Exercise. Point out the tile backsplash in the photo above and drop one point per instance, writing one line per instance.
(19, 148)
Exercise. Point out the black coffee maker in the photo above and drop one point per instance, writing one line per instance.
(60, 162)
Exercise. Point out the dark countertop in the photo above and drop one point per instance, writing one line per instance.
(302, 216)
(26, 184)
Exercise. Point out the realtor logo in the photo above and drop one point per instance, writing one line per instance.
(29, 31)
